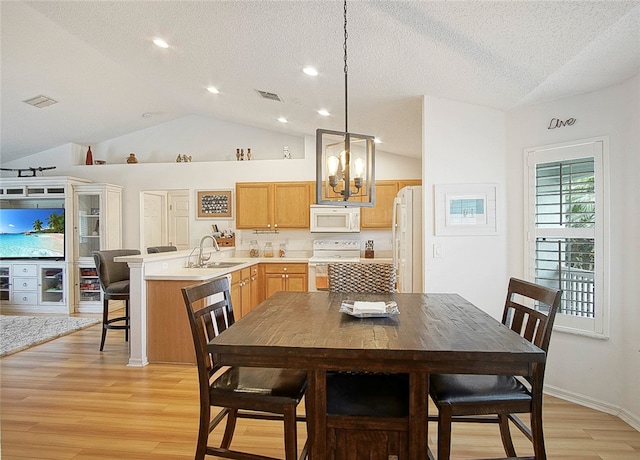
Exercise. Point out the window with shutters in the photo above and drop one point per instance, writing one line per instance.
(566, 219)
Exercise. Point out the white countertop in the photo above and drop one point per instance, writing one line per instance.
(203, 274)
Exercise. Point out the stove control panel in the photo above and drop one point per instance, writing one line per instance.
(336, 245)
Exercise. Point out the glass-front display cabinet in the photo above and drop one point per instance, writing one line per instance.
(98, 226)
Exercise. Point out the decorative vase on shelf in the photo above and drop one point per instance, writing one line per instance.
(132, 158)
(89, 159)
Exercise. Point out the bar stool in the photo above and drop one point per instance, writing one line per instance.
(114, 279)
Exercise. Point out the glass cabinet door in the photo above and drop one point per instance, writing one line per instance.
(5, 281)
(88, 224)
(52, 287)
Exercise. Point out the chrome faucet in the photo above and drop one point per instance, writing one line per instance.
(201, 258)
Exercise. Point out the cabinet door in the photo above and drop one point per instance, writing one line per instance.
(254, 206)
(292, 201)
(408, 182)
(236, 294)
(88, 224)
(256, 287)
(52, 284)
(5, 283)
(245, 290)
(380, 215)
(296, 282)
(274, 282)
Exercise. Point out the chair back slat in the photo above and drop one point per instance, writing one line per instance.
(361, 277)
(210, 313)
(533, 324)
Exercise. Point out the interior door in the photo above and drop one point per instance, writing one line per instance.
(154, 220)
(179, 218)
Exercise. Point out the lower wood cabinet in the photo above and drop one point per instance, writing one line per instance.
(169, 337)
(245, 289)
(285, 277)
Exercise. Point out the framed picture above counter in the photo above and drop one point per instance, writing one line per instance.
(213, 204)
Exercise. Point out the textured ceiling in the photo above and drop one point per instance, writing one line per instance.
(97, 59)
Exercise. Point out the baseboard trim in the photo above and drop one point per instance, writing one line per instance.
(632, 419)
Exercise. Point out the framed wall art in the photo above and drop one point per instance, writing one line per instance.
(213, 204)
(466, 209)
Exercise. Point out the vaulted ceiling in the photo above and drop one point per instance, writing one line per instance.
(98, 61)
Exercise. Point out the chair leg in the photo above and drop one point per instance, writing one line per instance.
(444, 433)
(537, 433)
(105, 319)
(505, 434)
(232, 416)
(203, 432)
(290, 433)
(126, 321)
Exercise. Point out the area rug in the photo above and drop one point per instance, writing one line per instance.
(20, 332)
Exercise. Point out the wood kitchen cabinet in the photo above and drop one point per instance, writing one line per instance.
(381, 215)
(272, 205)
(245, 289)
(285, 277)
(169, 337)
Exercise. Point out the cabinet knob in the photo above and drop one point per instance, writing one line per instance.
(284, 269)
(268, 225)
(283, 276)
(275, 225)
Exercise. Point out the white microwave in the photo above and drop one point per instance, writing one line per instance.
(334, 219)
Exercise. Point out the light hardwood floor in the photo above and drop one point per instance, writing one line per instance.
(66, 400)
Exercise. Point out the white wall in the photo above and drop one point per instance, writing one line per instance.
(465, 144)
(601, 373)
(201, 137)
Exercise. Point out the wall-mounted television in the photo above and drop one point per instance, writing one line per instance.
(32, 233)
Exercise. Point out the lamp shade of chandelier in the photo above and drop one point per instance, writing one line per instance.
(344, 160)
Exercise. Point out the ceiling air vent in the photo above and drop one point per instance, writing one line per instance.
(40, 101)
(270, 96)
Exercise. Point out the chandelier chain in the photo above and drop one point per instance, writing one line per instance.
(346, 70)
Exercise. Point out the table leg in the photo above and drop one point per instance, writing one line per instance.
(316, 407)
(418, 415)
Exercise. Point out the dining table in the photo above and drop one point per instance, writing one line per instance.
(431, 333)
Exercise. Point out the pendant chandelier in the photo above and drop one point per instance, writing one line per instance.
(344, 160)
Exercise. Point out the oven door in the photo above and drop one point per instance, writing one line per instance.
(318, 276)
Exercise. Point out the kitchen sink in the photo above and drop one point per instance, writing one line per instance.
(222, 264)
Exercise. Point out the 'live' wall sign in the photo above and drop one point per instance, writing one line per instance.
(558, 123)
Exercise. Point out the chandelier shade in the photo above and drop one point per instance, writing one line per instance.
(344, 168)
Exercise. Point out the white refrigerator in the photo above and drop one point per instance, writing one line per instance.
(407, 233)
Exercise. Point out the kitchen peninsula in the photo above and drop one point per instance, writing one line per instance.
(159, 328)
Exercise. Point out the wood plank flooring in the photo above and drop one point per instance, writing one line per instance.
(66, 400)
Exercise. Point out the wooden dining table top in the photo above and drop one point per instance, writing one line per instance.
(441, 333)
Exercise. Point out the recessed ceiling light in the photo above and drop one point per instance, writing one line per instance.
(147, 115)
(213, 90)
(161, 43)
(310, 71)
(282, 120)
(324, 113)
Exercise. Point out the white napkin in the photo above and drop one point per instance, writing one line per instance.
(369, 307)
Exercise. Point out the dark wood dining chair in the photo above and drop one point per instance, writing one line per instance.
(529, 310)
(241, 392)
(366, 412)
(159, 249)
(114, 280)
(361, 277)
